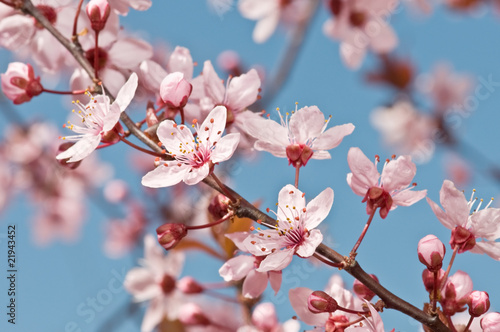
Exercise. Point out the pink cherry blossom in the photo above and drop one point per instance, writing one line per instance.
(387, 191)
(155, 281)
(175, 90)
(264, 319)
(491, 322)
(361, 26)
(19, 83)
(122, 6)
(295, 231)
(406, 129)
(244, 266)
(99, 117)
(98, 13)
(455, 293)
(194, 159)
(468, 222)
(123, 235)
(298, 138)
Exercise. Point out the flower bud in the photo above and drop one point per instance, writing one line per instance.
(319, 302)
(479, 303)
(175, 90)
(64, 162)
(98, 12)
(19, 83)
(362, 291)
(455, 293)
(431, 252)
(170, 234)
(428, 279)
(191, 314)
(491, 322)
(218, 207)
(188, 285)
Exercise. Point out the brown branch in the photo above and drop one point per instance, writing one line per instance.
(30, 9)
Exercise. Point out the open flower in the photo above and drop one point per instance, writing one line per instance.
(98, 118)
(468, 223)
(294, 232)
(193, 158)
(299, 139)
(386, 191)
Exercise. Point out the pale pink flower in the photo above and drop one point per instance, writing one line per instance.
(387, 191)
(446, 88)
(295, 231)
(194, 159)
(361, 26)
(155, 281)
(19, 83)
(243, 266)
(298, 138)
(269, 13)
(491, 322)
(455, 293)
(335, 288)
(122, 6)
(264, 319)
(373, 323)
(406, 129)
(467, 222)
(123, 235)
(99, 117)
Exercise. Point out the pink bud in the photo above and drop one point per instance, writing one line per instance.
(19, 83)
(191, 314)
(219, 207)
(230, 61)
(64, 162)
(491, 322)
(455, 293)
(175, 90)
(319, 302)
(188, 285)
(428, 279)
(170, 234)
(431, 252)
(362, 291)
(479, 303)
(115, 191)
(98, 12)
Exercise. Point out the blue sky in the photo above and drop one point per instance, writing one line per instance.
(57, 283)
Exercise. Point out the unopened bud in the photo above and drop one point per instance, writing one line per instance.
(319, 302)
(98, 12)
(428, 279)
(491, 322)
(175, 90)
(431, 252)
(64, 162)
(362, 291)
(170, 234)
(479, 303)
(455, 293)
(191, 314)
(219, 207)
(188, 285)
(19, 83)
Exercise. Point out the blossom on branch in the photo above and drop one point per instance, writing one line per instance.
(19, 83)
(386, 191)
(98, 117)
(193, 158)
(467, 222)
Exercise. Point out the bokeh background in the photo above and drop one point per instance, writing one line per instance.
(55, 282)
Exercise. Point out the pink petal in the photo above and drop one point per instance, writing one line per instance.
(385, 40)
(238, 238)
(275, 278)
(215, 122)
(298, 299)
(172, 263)
(264, 317)
(491, 249)
(352, 56)
(113, 78)
(196, 175)
(254, 284)
(441, 215)
(308, 247)
(408, 197)
(171, 142)
(364, 172)
(454, 203)
(375, 321)
(276, 150)
(288, 198)
(276, 261)
(398, 174)
(265, 27)
(332, 137)
(81, 149)
(164, 176)
(181, 60)
(486, 224)
(127, 92)
(237, 268)
(111, 119)
(243, 91)
(306, 124)
(318, 208)
(256, 9)
(265, 130)
(213, 84)
(128, 53)
(154, 315)
(262, 245)
(225, 148)
(141, 283)
(321, 155)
